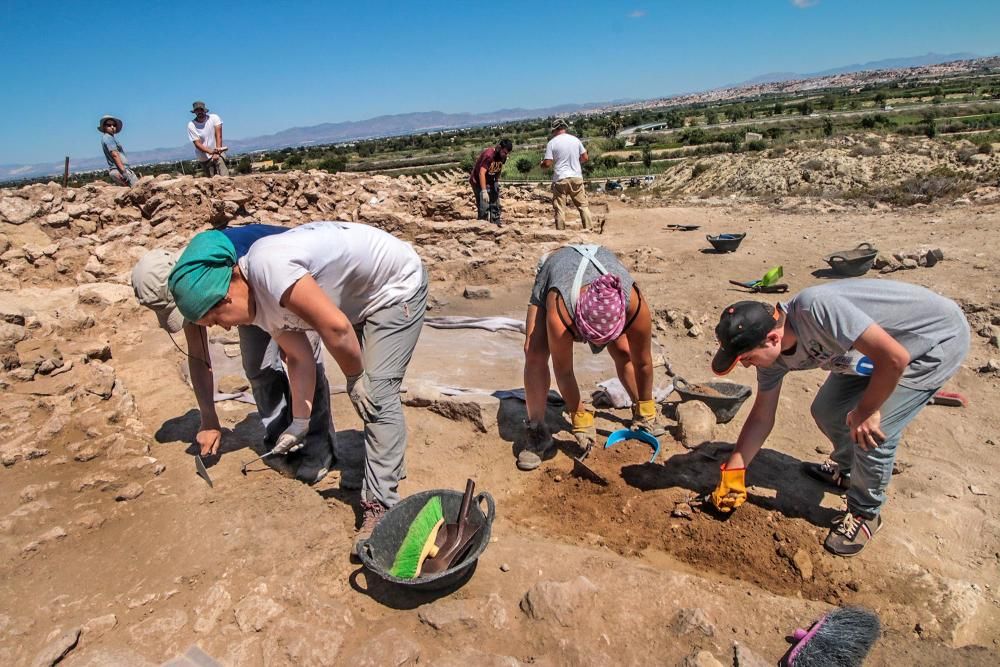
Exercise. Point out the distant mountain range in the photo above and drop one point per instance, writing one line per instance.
(889, 63)
(425, 121)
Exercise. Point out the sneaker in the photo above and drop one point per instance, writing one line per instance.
(537, 446)
(851, 535)
(829, 473)
(373, 512)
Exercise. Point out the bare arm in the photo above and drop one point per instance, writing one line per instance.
(639, 336)
(584, 157)
(308, 300)
(890, 360)
(203, 148)
(756, 428)
(218, 135)
(482, 178)
(116, 156)
(297, 353)
(545, 164)
(560, 341)
(203, 382)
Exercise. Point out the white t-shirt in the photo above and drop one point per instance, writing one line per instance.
(360, 268)
(565, 150)
(204, 132)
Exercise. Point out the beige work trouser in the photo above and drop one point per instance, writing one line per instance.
(574, 190)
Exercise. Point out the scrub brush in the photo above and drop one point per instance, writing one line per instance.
(842, 638)
(419, 541)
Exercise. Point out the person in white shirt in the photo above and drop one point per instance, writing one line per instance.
(564, 154)
(205, 132)
(361, 289)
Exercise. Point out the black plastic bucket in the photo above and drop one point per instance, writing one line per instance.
(724, 406)
(378, 551)
(853, 263)
(726, 242)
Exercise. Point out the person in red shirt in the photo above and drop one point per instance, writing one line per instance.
(485, 180)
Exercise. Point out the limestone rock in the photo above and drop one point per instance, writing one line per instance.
(90, 520)
(463, 615)
(155, 629)
(696, 422)
(215, 602)
(693, 620)
(98, 626)
(389, 649)
(701, 659)
(233, 384)
(105, 294)
(57, 649)
(744, 657)
(477, 292)
(558, 601)
(479, 409)
(130, 491)
(254, 611)
(17, 211)
(803, 564)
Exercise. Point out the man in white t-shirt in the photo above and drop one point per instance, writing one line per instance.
(361, 289)
(205, 132)
(564, 154)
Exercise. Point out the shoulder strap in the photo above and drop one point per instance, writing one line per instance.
(589, 256)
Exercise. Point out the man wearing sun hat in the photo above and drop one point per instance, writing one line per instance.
(118, 168)
(205, 132)
(261, 362)
(889, 346)
(565, 154)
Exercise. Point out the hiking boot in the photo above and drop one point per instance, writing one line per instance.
(538, 444)
(373, 511)
(649, 424)
(851, 535)
(829, 473)
(313, 468)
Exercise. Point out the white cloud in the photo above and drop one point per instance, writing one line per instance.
(637, 14)
(802, 4)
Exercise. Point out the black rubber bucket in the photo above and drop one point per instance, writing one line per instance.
(726, 242)
(853, 263)
(379, 550)
(724, 401)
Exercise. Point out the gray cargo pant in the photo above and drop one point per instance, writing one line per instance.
(870, 470)
(387, 341)
(269, 384)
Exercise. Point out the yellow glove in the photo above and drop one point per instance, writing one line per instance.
(583, 428)
(732, 489)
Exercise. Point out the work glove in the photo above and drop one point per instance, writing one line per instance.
(644, 418)
(292, 439)
(484, 199)
(359, 391)
(731, 491)
(583, 428)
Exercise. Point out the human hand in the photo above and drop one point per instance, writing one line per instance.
(484, 198)
(731, 491)
(208, 440)
(359, 391)
(583, 428)
(292, 439)
(866, 433)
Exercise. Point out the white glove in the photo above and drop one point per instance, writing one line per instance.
(292, 438)
(359, 391)
(484, 198)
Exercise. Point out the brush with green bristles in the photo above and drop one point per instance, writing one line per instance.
(419, 541)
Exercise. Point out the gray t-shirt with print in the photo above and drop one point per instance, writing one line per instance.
(558, 271)
(828, 319)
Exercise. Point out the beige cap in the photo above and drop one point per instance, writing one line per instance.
(149, 282)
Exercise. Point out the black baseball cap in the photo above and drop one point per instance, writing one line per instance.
(742, 327)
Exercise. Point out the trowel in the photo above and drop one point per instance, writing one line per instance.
(201, 470)
(581, 469)
(453, 539)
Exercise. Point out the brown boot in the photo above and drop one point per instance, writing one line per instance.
(373, 511)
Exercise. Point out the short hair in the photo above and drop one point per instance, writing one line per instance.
(506, 143)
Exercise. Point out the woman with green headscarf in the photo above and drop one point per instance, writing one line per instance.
(361, 289)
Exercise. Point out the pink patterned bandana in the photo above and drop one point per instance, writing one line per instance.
(600, 312)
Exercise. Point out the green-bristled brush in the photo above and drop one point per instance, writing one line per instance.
(419, 541)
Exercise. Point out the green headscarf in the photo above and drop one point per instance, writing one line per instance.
(201, 277)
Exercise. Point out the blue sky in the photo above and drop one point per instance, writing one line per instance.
(268, 66)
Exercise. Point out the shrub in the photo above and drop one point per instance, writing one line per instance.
(814, 164)
(332, 164)
(699, 169)
(523, 165)
(609, 161)
(940, 183)
(756, 145)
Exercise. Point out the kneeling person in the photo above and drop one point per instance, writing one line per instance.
(889, 346)
(261, 362)
(361, 289)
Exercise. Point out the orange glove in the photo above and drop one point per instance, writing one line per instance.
(731, 491)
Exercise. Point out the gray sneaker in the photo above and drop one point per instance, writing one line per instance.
(851, 535)
(373, 511)
(313, 468)
(538, 444)
(829, 473)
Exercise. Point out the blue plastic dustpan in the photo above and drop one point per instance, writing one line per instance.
(637, 434)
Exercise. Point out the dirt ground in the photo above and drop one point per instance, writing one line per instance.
(256, 570)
